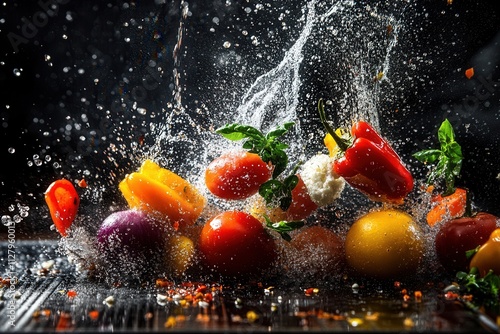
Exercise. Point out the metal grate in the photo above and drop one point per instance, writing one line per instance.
(42, 304)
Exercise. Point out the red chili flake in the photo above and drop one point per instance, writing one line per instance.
(406, 297)
(404, 291)
(467, 298)
(94, 315)
(64, 321)
(208, 297)
(450, 295)
(202, 288)
(141, 140)
(469, 73)
(82, 183)
(163, 283)
(397, 284)
(418, 296)
(71, 293)
(176, 225)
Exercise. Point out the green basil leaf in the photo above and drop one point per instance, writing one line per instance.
(269, 189)
(279, 131)
(282, 227)
(280, 160)
(445, 133)
(236, 132)
(427, 156)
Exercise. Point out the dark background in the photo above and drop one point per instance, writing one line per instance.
(86, 68)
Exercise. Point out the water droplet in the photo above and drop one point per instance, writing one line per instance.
(227, 44)
(7, 220)
(11, 150)
(17, 72)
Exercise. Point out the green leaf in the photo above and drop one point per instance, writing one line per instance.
(280, 160)
(236, 132)
(445, 133)
(283, 227)
(484, 290)
(448, 158)
(427, 156)
(279, 131)
(470, 253)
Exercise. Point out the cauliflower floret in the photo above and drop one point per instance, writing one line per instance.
(322, 183)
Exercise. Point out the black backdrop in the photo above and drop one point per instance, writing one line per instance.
(64, 59)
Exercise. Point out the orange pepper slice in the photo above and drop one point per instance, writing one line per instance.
(63, 202)
(161, 192)
(452, 205)
(469, 73)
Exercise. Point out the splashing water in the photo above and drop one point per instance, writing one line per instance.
(346, 52)
(276, 96)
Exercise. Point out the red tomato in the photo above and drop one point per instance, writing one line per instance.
(235, 243)
(63, 202)
(457, 236)
(320, 251)
(302, 205)
(236, 175)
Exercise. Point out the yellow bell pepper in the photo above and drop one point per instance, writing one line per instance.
(163, 193)
(488, 256)
(330, 143)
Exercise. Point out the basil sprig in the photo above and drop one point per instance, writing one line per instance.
(448, 158)
(268, 147)
(485, 290)
(271, 150)
(276, 191)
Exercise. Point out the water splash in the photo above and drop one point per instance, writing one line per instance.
(273, 98)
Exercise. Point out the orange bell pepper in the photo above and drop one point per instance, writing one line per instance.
(488, 255)
(163, 193)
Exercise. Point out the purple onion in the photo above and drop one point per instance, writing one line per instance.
(131, 243)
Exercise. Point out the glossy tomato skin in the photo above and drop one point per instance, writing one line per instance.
(302, 205)
(236, 175)
(459, 235)
(235, 244)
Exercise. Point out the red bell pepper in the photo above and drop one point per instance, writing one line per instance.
(368, 163)
(63, 202)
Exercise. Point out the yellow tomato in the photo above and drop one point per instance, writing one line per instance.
(180, 253)
(385, 244)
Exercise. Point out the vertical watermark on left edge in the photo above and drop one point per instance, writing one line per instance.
(10, 282)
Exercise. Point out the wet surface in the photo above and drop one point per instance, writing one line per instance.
(51, 296)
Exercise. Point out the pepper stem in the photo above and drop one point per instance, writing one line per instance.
(341, 143)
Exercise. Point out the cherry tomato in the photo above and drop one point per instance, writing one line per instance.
(63, 202)
(457, 236)
(236, 175)
(320, 251)
(235, 243)
(302, 205)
